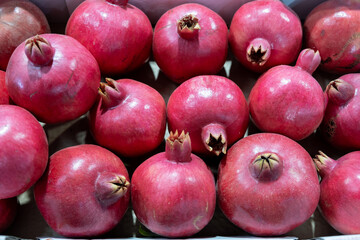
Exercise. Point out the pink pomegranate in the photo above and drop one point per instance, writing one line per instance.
(19, 20)
(54, 77)
(129, 117)
(84, 191)
(190, 40)
(23, 151)
(4, 94)
(340, 191)
(279, 101)
(264, 34)
(212, 109)
(118, 34)
(333, 29)
(267, 184)
(340, 124)
(173, 192)
(8, 211)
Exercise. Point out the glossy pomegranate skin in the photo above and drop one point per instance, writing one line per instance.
(272, 21)
(65, 195)
(19, 20)
(340, 193)
(340, 127)
(181, 58)
(4, 95)
(322, 28)
(119, 35)
(204, 100)
(57, 92)
(268, 207)
(135, 121)
(8, 212)
(23, 152)
(173, 193)
(279, 101)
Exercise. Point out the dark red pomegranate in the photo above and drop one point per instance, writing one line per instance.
(279, 101)
(84, 191)
(173, 192)
(4, 94)
(212, 109)
(190, 40)
(340, 191)
(19, 20)
(8, 211)
(118, 34)
(333, 29)
(264, 34)
(267, 184)
(23, 151)
(54, 77)
(340, 124)
(129, 117)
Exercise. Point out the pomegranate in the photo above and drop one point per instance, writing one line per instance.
(214, 111)
(84, 191)
(129, 117)
(118, 34)
(4, 94)
(322, 29)
(190, 40)
(340, 191)
(8, 211)
(279, 101)
(340, 124)
(173, 192)
(19, 20)
(264, 34)
(23, 151)
(54, 77)
(263, 180)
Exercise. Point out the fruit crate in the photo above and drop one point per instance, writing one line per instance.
(29, 224)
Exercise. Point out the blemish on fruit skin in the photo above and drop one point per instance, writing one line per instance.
(196, 220)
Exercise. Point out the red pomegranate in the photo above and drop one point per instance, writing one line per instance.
(190, 40)
(279, 101)
(19, 20)
(54, 77)
(129, 117)
(23, 151)
(340, 191)
(8, 211)
(264, 34)
(84, 191)
(173, 192)
(267, 184)
(118, 34)
(212, 109)
(4, 94)
(340, 124)
(333, 29)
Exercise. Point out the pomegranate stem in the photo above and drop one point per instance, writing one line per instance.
(214, 138)
(308, 60)
(266, 167)
(339, 91)
(111, 93)
(110, 187)
(324, 164)
(178, 147)
(39, 51)
(188, 27)
(258, 51)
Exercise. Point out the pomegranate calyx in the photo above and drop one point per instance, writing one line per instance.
(178, 147)
(39, 51)
(111, 93)
(214, 138)
(110, 187)
(118, 2)
(339, 91)
(266, 167)
(324, 164)
(258, 51)
(308, 60)
(188, 26)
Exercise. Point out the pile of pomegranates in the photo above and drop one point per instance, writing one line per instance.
(191, 139)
